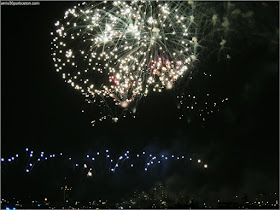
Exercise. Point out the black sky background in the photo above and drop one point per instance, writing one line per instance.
(240, 143)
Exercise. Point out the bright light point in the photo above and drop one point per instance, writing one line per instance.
(205, 166)
(76, 165)
(124, 104)
(27, 170)
(9, 160)
(112, 170)
(97, 153)
(30, 155)
(16, 155)
(107, 150)
(199, 161)
(38, 159)
(169, 86)
(85, 165)
(131, 165)
(87, 156)
(89, 173)
(190, 158)
(2, 159)
(30, 164)
(146, 169)
(60, 153)
(26, 149)
(143, 153)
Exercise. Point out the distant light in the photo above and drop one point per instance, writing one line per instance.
(127, 151)
(159, 161)
(137, 155)
(87, 156)
(183, 157)
(190, 158)
(46, 158)
(27, 170)
(30, 164)
(205, 166)
(108, 156)
(60, 154)
(162, 156)
(143, 153)
(89, 173)
(178, 158)
(166, 158)
(97, 153)
(16, 155)
(14, 208)
(112, 169)
(172, 156)
(85, 165)
(39, 205)
(146, 169)
(38, 159)
(150, 155)
(13, 158)
(117, 165)
(9, 160)
(31, 155)
(53, 155)
(50, 156)
(131, 165)
(2, 159)
(111, 161)
(7, 208)
(120, 157)
(76, 165)
(92, 158)
(121, 207)
(199, 161)
(69, 158)
(26, 149)
(107, 150)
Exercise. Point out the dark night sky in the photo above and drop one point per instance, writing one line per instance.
(240, 142)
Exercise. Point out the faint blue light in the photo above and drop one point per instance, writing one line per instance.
(158, 161)
(42, 155)
(9, 160)
(150, 155)
(14, 208)
(127, 157)
(146, 169)
(31, 152)
(60, 154)
(137, 155)
(152, 162)
(69, 158)
(162, 156)
(166, 158)
(120, 157)
(183, 157)
(76, 165)
(30, 164)
(178, 158)
(39, 205)
(85, 165)
(117, 165)
(50, 156)
(143, 153)
(7, 208)
(38, 159)
(87, 156)
(2, 159)
(112, 169)
(111, 161)
(46, 158)
(121, 207)
(31, 155)
(108, 156)
(26, 149)
(13, 158)
(27, 170)
(53, 155)
(172, 156)
(131, 165)
(16, 155)
(92, 158)
(125, 154)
